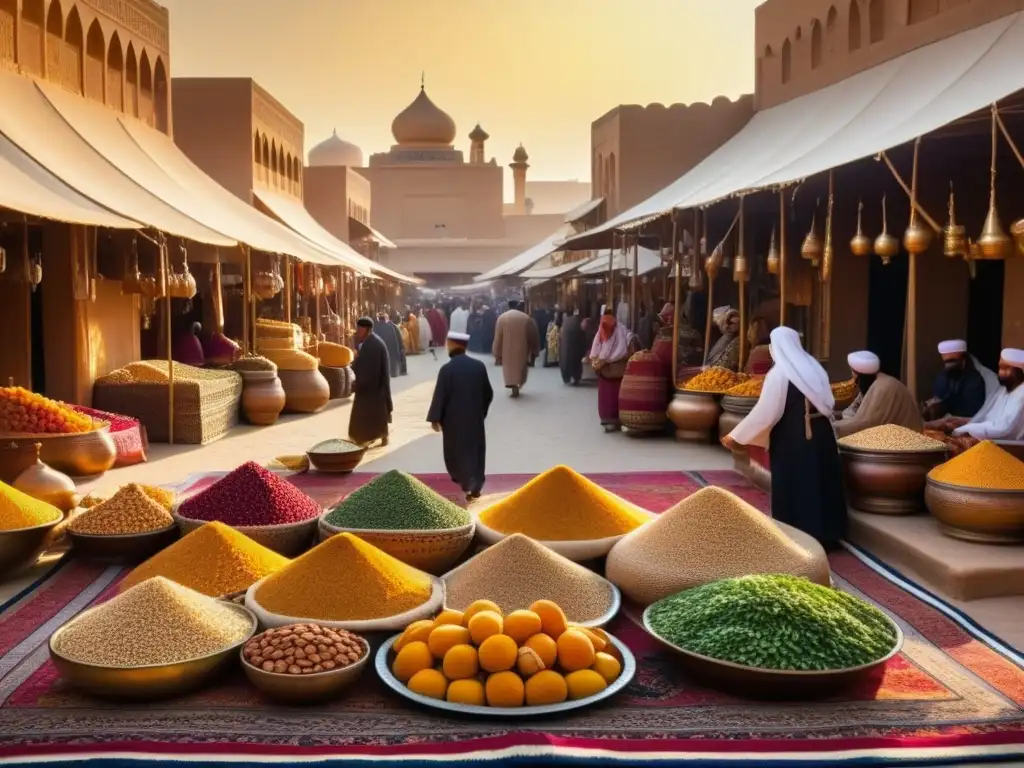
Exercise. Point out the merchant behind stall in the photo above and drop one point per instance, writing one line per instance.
(371, 406)
(462, 397)
(962, 388)
(883, 399)
(792, 419)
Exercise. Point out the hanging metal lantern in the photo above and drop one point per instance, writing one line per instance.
(773, 255)
(954, 236)
(812, 248)
(860, 244)
(886, 246)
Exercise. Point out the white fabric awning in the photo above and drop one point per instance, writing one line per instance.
(526, 259)
(874, 110)
(365, 230)
(548, 273)
(647, 261)
(579, 212)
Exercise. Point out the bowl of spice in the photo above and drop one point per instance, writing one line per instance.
(403, 517)
(518, 571)
(885, 468)
(26, 528)
(158, 639)
(345, 583)
(304, 663)
(774, 636)
(979, 495)
(336, 456)
(265, 507)
(128, 527)
(564, 511)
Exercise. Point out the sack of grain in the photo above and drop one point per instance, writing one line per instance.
(335, 355)
(291, 359)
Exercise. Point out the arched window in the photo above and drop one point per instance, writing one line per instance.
(597, 177)
(31, 36)
(95, 62)
(54, 40)
(854, 32)
(613, 192)
(9, 32)
(115, 73)
(72, 53)
(145, 88)
(273, 163)
(876, 21)
(815, 44)
(831, 19)
(281, 170)
(257, 152)
(920, 10)
(161, 96)
(266, 158)
(787, 61)
(131, 83)
(297, 173)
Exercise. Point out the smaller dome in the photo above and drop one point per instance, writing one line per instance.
(423, 122)
(478, 134)
(336, 151)
(520, 155)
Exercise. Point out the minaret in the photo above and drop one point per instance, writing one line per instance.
(477, 137)
(519, 166)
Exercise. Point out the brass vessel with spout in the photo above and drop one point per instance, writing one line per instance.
(774, 257)
(860, 244)
(993, 243)
(886, 246)
(811, 248)
(954, 236)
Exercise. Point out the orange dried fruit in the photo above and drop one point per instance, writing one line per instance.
(596, 640)
(417, 631)
(467, 692)
(505, 689)
(480, 605)
(449, 616)
(607, 666)
(498, 653)
(484, 624)
(545, 647)
(584, 683)
(546, 687)
(429, 682)
(413, 658)
(522, 625)
(461, 662)
(529, 662)
(575, 651)
(552, 618)
(443, 638)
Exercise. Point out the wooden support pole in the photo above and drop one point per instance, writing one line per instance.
(246, 298)
(633, 303)
(741, 249)
(288, 292)
(165, 267)
(782, 257)
(677, 264)
(911, 323)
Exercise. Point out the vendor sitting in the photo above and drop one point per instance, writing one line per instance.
(962, 388)
(885, 400)
(1002, 417)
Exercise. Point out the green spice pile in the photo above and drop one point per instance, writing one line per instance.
(774, 622)
(396, 501)
(335, 445)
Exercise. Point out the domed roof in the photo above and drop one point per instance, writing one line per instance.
(423, 122)
(336, 151)
(520, 156)
(478, 134)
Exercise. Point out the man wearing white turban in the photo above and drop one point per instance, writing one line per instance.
(792, 418)
(1002, 417)
(884, 399)
(962, 387)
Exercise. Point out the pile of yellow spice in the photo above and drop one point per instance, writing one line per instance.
(19, 510)
(985, 466)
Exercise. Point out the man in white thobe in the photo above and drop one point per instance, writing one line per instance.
(1002, 417)
(459, 320)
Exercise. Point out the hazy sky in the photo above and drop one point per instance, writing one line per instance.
(532, 71)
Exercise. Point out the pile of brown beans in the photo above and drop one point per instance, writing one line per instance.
(304, 649)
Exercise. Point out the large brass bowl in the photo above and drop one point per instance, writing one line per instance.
(84, 454)
(977, 514)
(122, 548)
(694, 415)
(21, 548)
(314, 688)
(334, 462)
(734, 410)
(155, 681)
(775, 684)
(433, 551)
(888, 482)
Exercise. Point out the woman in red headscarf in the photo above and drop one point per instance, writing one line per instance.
(608, 356)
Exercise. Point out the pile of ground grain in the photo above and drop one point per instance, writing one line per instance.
(19, 510)
(562, 505)
(518, 571)
(710, 535)
(396, 501)
(986, 466)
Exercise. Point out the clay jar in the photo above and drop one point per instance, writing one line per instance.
(305, 391)
(263, 397)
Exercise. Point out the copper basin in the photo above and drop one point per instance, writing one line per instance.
(19, 549)
(84, 454)
(888, 483)
(694, 415)
(977, 514)
(734, 410)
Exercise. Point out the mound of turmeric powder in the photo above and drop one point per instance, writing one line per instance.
(985, 466)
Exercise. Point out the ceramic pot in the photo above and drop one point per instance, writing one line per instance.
(977, 514)
(305, 391)
(83, 454)
(888, 483)
(694, 415)
(263, 397)
(734, 410)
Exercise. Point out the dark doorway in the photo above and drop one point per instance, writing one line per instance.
(887, 308)
(35, 245)
(985, 312)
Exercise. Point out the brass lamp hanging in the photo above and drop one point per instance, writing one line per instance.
(828, 251)
(812, 248)
(917, 237)
(773, 255)
(886, 246)
(860, 244)
(993, 243)
(954, 236)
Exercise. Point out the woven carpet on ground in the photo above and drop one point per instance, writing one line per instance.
(955, 693)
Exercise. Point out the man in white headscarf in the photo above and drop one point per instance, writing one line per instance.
(962, 388)
(792, 418)
(1002, 417)
(885, 400)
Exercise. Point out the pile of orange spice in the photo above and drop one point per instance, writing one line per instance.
(985, 466)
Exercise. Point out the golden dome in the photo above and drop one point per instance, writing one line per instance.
(423, 122)
(336, 151)
(520, 156)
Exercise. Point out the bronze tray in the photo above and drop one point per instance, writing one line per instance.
(122, 548)
(154, 681)
(20, 548)
(888, 482)
(774, 684)
(977, 514)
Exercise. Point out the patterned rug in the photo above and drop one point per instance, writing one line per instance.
(954, 694)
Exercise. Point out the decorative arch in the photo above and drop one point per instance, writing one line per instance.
(54, 40)
(72, 53)
(257, 155)
(815, 44)
(273, 162)
(131, 82)
(280, 165)
(787, 61)
(921, 10)
(266, 156)
(95, 62)
(598, 180)
(853, 31)
(9, 33)
(799, 34)
(298, 172)
(876, 21)
(161, 96)
(612, 189)
(115, 73)
(145, 88)
(288, 172)
(831, 19)
(769, 53)
(31, 36)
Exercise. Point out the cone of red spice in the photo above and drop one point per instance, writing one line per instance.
(251, 495)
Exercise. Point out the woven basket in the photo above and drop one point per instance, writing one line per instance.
(430, 551)
(339, 380)
(290, 539)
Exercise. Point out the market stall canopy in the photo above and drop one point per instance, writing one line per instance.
(527, 258)
(647, 261)
(583, 210)
(29, 121)
(872, 111)
(365, 230)
(548, 273)
(27, 187)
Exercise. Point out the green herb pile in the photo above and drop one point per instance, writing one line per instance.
(774, 622)
(396, 501)
(335, 445)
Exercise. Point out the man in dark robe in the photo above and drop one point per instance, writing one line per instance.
(541, 316)
(960, 389)
(462, 397)
(487, 334)
(475, 328)
(392, 339)
(372, 406)
(403, 366)
(572, 348)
